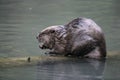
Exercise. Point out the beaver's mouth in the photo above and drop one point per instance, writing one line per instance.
(43, 46)
(41, 43)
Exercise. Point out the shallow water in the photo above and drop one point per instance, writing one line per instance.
(20, 20)
(77, 69)
(57, 70)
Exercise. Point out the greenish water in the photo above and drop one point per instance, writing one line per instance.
(20, 20)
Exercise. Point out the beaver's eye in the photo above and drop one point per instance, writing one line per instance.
(75, 26)
(52, 31)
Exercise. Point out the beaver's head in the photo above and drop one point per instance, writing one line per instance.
(47, 36)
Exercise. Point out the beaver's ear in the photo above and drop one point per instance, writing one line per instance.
(52, 31)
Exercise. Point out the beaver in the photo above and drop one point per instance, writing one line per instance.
(81, 37)
(53, 38)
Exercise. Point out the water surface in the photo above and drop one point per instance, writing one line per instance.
(20, 20)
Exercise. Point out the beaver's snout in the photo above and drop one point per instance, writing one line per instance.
(43, 47)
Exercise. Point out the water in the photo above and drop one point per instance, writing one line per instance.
(20, 20)
(57, 70)
(66, 70)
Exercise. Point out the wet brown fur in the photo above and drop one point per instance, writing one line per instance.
(85, 47)
(81, 37)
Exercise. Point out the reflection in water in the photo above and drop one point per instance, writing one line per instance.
(79, 69)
